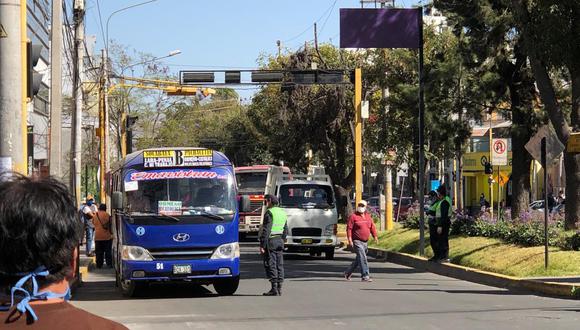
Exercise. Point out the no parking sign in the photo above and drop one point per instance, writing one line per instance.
(499, 152)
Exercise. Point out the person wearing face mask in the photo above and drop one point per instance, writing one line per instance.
(39, 237)
(359, 228)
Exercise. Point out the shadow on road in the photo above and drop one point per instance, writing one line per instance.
(479, 292)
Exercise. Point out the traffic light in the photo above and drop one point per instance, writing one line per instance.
(488, 168)
(34, 78)
(131, 120)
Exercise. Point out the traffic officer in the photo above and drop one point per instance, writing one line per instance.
(443, 213)
(432, 228)
(272, 235)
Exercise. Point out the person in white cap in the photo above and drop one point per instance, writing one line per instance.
(359, 228)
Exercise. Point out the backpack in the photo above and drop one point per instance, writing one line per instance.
(86, 220)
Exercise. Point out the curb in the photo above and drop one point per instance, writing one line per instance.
(553, 289)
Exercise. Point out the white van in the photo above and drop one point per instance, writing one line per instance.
(310, 205)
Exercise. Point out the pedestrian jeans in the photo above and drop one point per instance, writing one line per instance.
(103, 252)
(90, 235)
(274, 260)
(360, 248)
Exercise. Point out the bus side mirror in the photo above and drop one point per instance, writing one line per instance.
(117, 200)
(244, 203)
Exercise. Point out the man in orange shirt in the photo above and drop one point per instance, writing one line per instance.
(103, 237)
(359, 228)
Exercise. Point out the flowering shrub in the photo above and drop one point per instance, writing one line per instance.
(527, 230)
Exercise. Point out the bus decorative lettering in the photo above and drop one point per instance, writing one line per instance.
(191, 174)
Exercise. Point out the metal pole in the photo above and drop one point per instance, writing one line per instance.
(358, 135)
(55, 144)
(11, 93)
(22, 162)
(76, 132)
(421, 172)
(491, 175)
(546, 210)
(498, 194)
(389, 198)
(400, 199)
(102, 129)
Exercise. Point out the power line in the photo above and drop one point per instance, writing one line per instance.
(330, 8)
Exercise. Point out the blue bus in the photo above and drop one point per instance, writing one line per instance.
(175, 218)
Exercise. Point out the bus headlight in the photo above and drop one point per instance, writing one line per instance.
(227, 251)
(135, 253)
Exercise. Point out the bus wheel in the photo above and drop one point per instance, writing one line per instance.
(329, 253)
(227, 287)
(132, 288)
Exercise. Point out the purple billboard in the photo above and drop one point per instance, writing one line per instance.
(379, 28)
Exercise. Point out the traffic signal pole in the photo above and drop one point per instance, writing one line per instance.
(55, 144)
(12, 151)
(358, 135)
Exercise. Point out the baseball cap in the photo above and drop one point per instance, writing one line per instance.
(363, 202)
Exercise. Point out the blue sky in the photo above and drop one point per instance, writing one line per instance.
(217, 34)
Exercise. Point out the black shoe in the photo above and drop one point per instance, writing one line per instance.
(445, 260)
(433, 259)
(273, 291)
(279, 289)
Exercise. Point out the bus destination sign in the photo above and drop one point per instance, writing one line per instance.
(177, 158)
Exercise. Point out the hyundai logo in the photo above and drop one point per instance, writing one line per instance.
(181, 237)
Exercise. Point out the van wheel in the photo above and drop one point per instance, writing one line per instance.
(132, 288)
(227, 287)
(329, 254)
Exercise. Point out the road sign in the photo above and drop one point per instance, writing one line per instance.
(502, 179)
(573, 143)
(3, 33)
(553, 145)
(499, 152)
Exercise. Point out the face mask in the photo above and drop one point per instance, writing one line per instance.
(361, 209)
(90, 203)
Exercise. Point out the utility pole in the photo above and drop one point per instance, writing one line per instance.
(11, 148)
(55, 144)
(76, 132)
(102, 128)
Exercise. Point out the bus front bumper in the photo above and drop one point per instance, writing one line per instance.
(180, 270)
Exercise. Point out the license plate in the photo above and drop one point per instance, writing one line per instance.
(306, 241)
(181, 269)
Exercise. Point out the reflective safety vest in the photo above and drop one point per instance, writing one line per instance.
(278, 221)
(438, 208)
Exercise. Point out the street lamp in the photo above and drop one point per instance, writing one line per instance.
(103, 117)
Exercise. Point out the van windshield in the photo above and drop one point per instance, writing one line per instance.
(158, 192)
(306, 196)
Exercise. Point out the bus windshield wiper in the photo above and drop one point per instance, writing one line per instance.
(210, 215)
(161, 216)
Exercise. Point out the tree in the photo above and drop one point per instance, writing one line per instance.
(493, 51)
(551, 30)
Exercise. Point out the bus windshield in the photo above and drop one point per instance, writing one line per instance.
(251, 183)
(177, 193)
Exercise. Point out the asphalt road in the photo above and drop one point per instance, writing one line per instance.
(317, 297)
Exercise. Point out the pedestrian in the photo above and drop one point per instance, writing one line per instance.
(359, 228)
(561, 197)
(88, 211)
(103, 237)
(551, 201)
(482, 202)
(272, 235)
(443, 213)
(39, 237)
(432, 225)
